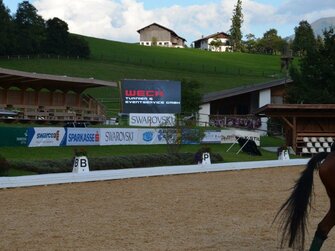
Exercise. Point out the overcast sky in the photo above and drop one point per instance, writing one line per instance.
(119, 20)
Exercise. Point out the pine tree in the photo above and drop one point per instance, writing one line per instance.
(304, 38)
(235, 30)
(314, 80)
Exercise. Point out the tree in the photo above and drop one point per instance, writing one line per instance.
(235, 30)
(154, 41)
(5, 30)
(304, 38)
(30, 29)
(251, 43)
(57, 36)
(216, 43)
(78, 46)
(271, 43)
(314, 80)
(191, 97)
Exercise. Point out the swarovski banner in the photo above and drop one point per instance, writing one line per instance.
(46, 136)
(118, 136)
(150, 96)
(152, 120)
(131, 136)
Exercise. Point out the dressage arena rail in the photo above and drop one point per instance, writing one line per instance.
(61, 178)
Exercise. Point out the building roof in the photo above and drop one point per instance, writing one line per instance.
(211, 36)
(21, 79)
(242, 90)
(296, 110)
(161, 26)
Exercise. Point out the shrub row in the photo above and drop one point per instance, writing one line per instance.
(112, 162)
(4, 166)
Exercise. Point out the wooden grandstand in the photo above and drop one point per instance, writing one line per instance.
(33, 97)
(309, 128)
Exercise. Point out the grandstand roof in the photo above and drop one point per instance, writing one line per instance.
(208, 97)
(297, 110)
(14, 78)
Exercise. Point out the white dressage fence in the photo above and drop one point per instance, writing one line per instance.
(61, 178)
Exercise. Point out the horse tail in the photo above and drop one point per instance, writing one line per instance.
(293, 213)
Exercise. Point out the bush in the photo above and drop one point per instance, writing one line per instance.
(4, 166)
(113, 162)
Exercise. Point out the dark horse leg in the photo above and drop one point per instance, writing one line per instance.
(324, 228)
(327, 174)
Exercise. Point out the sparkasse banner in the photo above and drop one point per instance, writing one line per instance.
(152, 120)
(150, 96)
(82, 136)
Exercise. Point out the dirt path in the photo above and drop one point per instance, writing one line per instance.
(210, 211)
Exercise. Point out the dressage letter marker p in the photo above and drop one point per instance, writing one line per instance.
(206, 158)
(80, 165)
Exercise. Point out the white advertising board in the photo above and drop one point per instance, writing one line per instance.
(151, 136)
(212, 137)
(82, 136)
(118, 136)
(46, 136)
(252, 135)
(152, 119)
(229, 136)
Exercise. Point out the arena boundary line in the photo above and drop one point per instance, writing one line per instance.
(62, 178)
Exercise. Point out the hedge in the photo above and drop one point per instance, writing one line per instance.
(112, 162)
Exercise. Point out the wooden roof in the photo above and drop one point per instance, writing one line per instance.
(297, 110)
(13, 78)
(215, 35)
(242, 90)
(161, 26)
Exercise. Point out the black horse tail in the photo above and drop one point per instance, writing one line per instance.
(293, 213)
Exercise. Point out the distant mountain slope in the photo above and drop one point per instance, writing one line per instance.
(321, 24)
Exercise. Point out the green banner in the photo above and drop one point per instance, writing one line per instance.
(13, 136)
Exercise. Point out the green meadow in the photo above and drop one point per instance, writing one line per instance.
(114, 61)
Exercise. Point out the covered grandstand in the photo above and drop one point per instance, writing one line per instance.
(35, 97)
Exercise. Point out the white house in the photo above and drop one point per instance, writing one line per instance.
(215, 42)
(158, 35)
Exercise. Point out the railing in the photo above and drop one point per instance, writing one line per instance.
(238, 121)
(93, 111)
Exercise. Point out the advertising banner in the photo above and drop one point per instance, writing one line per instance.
(151, 96)
(150, 136)
(212, 136)
(13, 136)
(82, 136)
(46, 136)
(230, 136)
(118, 136)
(190, 136)
(152, 120)
(255, 136)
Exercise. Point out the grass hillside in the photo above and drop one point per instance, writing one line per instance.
(115, 61)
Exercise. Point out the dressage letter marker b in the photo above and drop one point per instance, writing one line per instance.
(80, 165)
